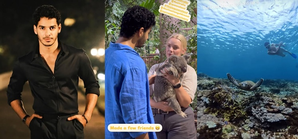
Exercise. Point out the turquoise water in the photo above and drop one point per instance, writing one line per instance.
(232, 33)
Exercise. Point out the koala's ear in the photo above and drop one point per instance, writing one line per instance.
(187, 57)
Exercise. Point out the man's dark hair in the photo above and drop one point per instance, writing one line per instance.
(48, 11)
(134, 18)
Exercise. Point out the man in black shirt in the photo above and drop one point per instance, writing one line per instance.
(53, 70)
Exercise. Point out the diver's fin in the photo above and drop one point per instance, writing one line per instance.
(232, 79)
(257, 84)
(293, 55)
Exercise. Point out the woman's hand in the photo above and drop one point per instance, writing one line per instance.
(164, 106)
(151, 79)
(172, 79)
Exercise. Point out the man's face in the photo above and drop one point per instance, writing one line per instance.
(47, 31)
(143, 39)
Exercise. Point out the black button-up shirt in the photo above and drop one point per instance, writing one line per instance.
(54, 93)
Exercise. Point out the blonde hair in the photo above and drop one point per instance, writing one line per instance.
(181, 38)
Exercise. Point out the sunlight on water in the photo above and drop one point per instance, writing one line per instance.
(232, 33)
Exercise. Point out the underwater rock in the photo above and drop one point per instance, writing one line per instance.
(295, 105)
(211, 124)
(249, 123)
(280, 87)
(270, 112)
(274, 117)
(207, 133)
(245, 136)
(226, 129)
(205, 84)
(199, 114)
(205, 100)
(263, 115)
(287, 111)
(275, 90)
(280, 108)
(202, 75)
(202, 120)
(267, 100)
(201, 106)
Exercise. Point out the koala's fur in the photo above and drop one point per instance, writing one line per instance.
(163, 89)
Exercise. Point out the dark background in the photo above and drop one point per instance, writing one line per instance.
(17, 38)
(16, 31)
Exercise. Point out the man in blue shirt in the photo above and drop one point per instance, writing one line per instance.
(126, 85)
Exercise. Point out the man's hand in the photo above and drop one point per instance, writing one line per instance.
(29, 119)
(281, 44)
(80, 118)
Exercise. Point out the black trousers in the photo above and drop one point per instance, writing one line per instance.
(56, 127)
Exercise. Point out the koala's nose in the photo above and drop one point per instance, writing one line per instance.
(184, 69)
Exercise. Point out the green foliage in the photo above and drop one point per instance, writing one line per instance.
(148, 4)
(111, 29)
(114, 11)
(192, 48)
(156, 57)
(113, 14)
(116, 8)
(151, 5)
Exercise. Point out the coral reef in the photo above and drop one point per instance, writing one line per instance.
(224, 111)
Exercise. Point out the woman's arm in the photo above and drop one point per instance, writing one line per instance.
(163, 105)
(181, 94)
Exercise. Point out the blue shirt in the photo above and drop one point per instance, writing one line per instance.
(127, 95)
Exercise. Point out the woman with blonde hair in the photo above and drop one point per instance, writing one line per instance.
(175, 126)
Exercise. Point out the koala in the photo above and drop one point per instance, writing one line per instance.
(163, 89)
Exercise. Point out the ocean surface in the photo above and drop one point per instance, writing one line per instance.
(232, 33)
